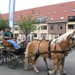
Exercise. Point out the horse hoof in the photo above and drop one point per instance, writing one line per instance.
(50, 72)
(37, 71)
(64, 73)
(25, 68)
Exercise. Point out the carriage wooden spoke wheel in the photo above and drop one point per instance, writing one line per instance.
(11, 60)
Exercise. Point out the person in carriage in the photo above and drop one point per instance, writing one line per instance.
(8, 36)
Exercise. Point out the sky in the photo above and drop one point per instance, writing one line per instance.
(27, 4)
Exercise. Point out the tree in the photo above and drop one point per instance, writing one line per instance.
(28, 24)
(3, 23)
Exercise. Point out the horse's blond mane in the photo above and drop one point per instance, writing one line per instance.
(62, 37)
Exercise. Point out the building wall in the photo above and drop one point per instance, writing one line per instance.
(48, 31)
(56, 28)
(40, 31)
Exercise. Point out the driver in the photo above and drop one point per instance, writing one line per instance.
(8, 35)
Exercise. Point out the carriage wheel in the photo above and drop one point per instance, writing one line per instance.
(11, 61)
(1, 59)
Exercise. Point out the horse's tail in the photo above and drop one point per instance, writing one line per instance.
(26, 57)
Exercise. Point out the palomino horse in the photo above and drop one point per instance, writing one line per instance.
(56, 50)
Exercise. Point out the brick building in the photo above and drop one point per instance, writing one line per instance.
(53, 19)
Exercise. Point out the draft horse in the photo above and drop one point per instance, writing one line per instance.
(56, 50)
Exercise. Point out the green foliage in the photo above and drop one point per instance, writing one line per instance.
(3, 23)
(28, 24)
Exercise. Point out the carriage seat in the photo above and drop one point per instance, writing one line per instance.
(7, 45)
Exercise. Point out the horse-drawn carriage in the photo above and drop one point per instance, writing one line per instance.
(8, 55)
(55, 49)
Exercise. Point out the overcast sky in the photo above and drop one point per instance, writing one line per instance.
(27, 4)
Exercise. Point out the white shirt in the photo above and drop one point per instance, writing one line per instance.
(30, 37)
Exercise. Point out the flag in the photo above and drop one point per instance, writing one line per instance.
(11, 12)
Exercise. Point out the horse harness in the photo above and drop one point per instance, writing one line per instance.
(49, 51)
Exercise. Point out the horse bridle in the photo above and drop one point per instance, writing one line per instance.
(68, 49)
(72, 40)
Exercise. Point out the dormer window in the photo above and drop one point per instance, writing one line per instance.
(52, 18)
(65, 10)
(73, 10)
(48, 12)
(54, 12)
(62, 18)
(37, 14)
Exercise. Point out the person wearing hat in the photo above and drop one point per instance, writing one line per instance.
(8, 35)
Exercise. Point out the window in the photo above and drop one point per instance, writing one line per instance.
(35, 35)
(71, 26)
(43, 34)
(16, 34)
(54, 12)
(43, 27)
(62, 18)
(15, 23)
(71, 18)
(65, 10)
(48, 12)
(59, 26)
(37, 20)
(16, 28)
(52, 27)
(37, 14)
(43, 20)
(52, 36)
(52, 18)
(73, 10)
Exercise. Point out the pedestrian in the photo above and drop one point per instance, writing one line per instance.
(30, 37)
(43, 38)
(56, 36)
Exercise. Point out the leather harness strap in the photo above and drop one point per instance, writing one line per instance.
(49, 50)
(49, 47)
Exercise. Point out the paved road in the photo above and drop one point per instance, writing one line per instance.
(19, 70)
